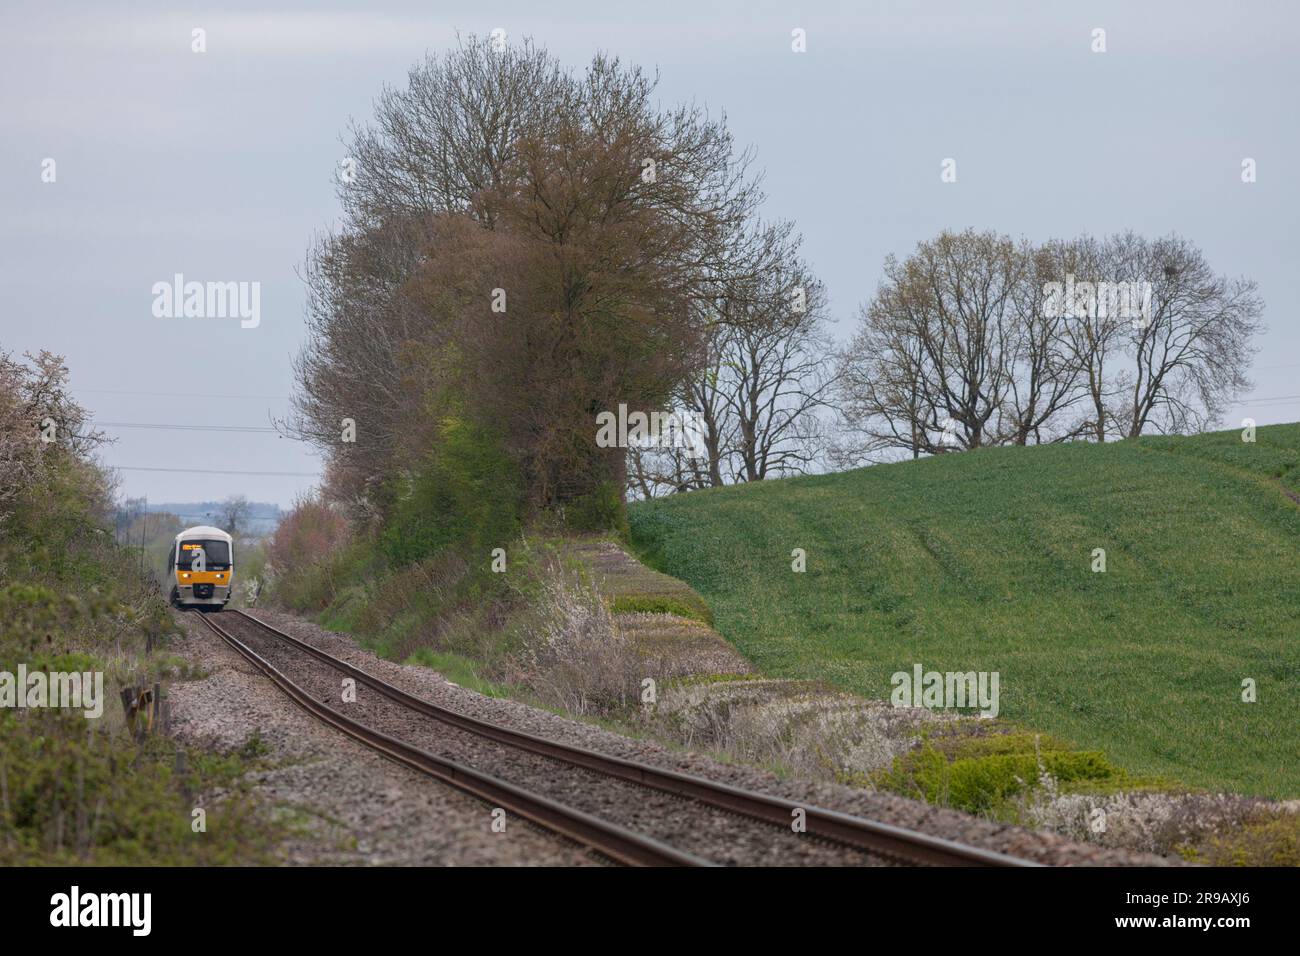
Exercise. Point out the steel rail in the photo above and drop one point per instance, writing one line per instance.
(873, 836)
(618, 843)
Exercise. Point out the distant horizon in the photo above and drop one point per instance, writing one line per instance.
(166, 505)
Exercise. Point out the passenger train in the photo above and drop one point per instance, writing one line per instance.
(202, 566)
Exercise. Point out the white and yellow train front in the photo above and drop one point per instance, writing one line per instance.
(202, 563)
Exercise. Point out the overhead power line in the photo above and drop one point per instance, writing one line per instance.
(1278, 398)
(119, 391)
(217, 471)
(266, 429)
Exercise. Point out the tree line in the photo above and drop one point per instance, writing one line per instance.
(524, 247)
(976, 339)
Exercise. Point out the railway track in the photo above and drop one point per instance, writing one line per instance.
(872, 839)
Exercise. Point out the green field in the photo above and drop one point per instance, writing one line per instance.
(983, 561)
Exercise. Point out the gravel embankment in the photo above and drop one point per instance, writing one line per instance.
(1034, 845)
(709, 833)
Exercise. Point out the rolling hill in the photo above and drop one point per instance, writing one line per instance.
(984, 561)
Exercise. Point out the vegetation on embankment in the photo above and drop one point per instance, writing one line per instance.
(527, 620)
(76, 789)
(984, 561)
(575, 624)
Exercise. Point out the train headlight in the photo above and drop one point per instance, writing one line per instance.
(185, 574)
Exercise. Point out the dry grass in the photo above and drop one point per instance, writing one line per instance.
(1269, 837)
(1149, 821)
(673, 646)
(575, 657)
(797, 727)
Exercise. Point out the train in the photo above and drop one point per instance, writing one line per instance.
(202, 568)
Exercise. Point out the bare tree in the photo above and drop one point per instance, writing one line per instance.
(705, 395)
(762, 378)
(1092, 334)
(1049, 363)
(1002, 342)
(948, 323)
(653, 471)
(879, 391)
(364, 370)
(1190, 353)
(444, 143)
(776, 358)
(233, 513)
(736, 290)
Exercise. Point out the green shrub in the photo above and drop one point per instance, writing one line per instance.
(979, 774)
(76, 792)
(601, 509)
(468, 496)
(315, 586)
(75, 789)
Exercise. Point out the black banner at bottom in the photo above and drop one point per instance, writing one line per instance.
(334, 906)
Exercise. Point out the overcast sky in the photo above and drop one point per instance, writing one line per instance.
(219, 165)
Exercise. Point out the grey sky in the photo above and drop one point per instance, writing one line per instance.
(219, 165)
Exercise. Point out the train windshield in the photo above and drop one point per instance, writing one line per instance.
(211, 554)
